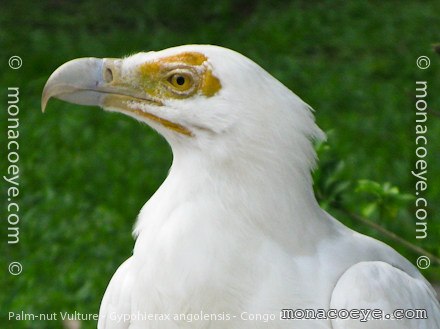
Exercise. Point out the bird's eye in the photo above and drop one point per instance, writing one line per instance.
(181, 81)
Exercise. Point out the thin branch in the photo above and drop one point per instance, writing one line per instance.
(433, 112)
(391, 235)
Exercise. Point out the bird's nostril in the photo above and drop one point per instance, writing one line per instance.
(108, 75)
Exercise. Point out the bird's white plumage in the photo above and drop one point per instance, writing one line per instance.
(235, 228)
(117, 299)
(379, 285)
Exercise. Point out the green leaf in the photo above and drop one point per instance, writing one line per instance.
(368, 210)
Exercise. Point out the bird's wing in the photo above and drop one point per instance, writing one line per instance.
(378, 285)
(117, 299)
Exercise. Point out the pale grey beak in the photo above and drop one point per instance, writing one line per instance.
(79, 81)
(95, 82)
(100, 82)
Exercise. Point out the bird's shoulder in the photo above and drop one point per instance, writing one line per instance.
(117, 298)
(377, 285)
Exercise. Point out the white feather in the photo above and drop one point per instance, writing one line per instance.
(236, 228)
(378, 285)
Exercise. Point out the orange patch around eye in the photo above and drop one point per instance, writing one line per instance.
(192, 59)
(150, 69)
(210, 84)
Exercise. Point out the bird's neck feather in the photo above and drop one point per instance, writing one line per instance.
(271, 193)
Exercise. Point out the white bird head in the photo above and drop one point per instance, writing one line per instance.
(200, 98)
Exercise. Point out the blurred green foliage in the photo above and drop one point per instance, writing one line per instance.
(85, 174)
(385, 199)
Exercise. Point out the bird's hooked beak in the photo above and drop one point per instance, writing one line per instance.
(100, 82)
(78, 81)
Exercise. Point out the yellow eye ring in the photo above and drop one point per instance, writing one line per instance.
(181, 81)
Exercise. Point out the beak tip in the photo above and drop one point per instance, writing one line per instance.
(75, 81)
(44, 99)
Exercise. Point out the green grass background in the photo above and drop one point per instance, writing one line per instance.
(85, 173)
